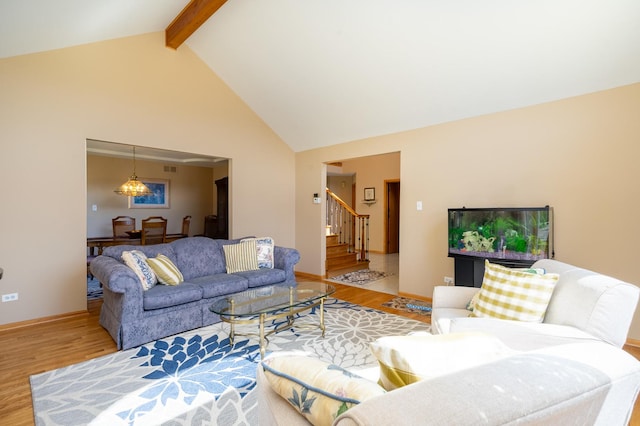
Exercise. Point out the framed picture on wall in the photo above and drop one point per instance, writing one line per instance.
(158, 199)
(369, 194)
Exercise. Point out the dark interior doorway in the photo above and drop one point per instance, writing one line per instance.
(392, 205)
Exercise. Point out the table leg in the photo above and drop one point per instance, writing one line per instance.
(232, 325)
(322, 316)
(290, 317)
(262, 340)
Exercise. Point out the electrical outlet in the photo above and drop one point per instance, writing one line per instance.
(448, 280)
(12, 297)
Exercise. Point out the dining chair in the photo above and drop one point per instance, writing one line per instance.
(122, 224)
(186, 222)
(154, 230)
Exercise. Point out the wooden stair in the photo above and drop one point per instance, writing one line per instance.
(339, 260)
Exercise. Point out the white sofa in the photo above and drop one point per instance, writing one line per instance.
(570, 369)
(590, 383)
(585, 306)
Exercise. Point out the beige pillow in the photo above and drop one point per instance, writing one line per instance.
(241, 257)
(514, 294)
(407, 359)
(318, 390)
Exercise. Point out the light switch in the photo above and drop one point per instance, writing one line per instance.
(419, 205)
(94, 207)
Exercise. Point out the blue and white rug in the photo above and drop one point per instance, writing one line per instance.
(197, 378)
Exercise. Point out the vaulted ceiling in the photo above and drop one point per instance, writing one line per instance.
(323, 72)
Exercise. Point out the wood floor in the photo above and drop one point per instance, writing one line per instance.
(46, 346)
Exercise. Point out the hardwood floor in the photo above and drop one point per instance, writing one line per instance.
(46, 346)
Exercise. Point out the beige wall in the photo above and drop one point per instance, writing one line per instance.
(132, 91)
(191, 192)
(577, 155)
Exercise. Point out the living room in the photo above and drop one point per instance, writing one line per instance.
(576, 153)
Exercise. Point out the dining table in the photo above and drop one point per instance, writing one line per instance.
(100, 243)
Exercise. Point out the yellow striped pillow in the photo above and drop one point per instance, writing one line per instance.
(166, 271)
(513, 294)
(241, 257)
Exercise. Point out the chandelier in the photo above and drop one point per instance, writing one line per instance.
(133, 187)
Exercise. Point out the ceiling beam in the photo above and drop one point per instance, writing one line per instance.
(189, 20)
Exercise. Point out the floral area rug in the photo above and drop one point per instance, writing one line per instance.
(197, 378)
(409, 305)
(94, 290)
(364, 276)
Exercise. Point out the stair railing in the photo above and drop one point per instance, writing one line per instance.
(350, 227)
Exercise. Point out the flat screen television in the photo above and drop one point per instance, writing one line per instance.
(511, 235)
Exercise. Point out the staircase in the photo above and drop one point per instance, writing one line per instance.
(347, 238)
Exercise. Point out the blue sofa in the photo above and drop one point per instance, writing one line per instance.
(134, 317)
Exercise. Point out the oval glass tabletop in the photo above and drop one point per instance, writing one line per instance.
(270, 299)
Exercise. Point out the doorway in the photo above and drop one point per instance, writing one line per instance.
(392, 216)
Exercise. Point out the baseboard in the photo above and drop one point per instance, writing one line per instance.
(633, 342)
(304, 275)
(43, 320)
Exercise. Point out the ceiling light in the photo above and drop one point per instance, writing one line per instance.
(133, 187)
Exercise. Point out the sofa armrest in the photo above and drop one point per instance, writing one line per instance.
(452, 297)
(286, 258)
(118, 277)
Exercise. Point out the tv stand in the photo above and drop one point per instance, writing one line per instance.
(470, 271)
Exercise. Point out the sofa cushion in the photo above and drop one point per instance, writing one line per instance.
(519, 335)
(407, 359)
(513, 294)
(263, 276)
(241, 257)
(165, 270)
(220, 284)
(198, 257)
(163, 296)
(317, 390)
(137, 261)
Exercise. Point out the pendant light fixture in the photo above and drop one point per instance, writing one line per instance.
(133, 187)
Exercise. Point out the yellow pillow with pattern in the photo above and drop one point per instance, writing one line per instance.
(166, 271)
(514, 294)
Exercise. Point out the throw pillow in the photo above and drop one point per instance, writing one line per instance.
(317, 390)
(513, 294)
(407, 359)
(137, 261)
(166, 271)
(264, 248)
(241, 257)
(540, 271)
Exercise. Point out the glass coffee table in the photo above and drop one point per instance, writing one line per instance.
(263, 304)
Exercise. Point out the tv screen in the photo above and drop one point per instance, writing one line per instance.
(510, 234)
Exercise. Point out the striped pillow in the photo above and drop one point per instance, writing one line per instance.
(137, 261)
(513, 294)
(167, 272)
(241, 257)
